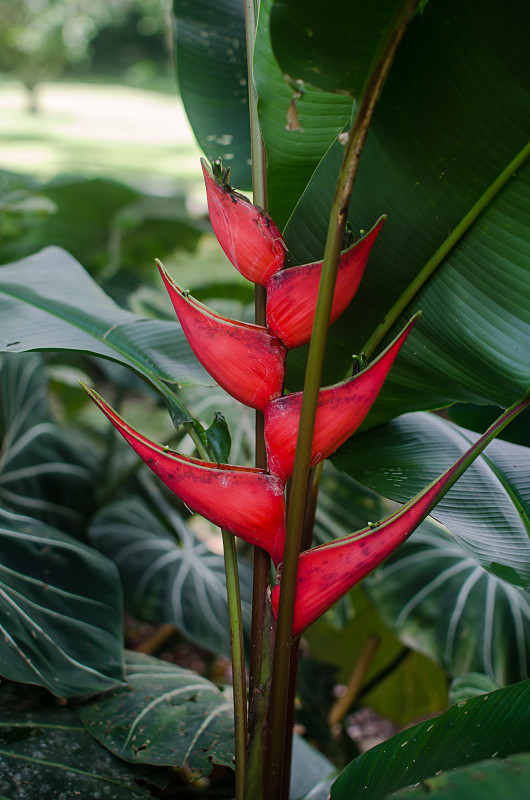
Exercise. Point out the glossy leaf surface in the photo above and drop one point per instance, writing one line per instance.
(333, 51)
(166, 716)
(47, 755)
(433, 151)
(42, 472)
(468, 732)
(439, 601)
(486, 511)
(211, 66)
(60, 610)
(292, 155)
(49, 302)
(488, 780)
(169, 575)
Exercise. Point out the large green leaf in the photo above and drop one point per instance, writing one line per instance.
(487, 510)
(440, 602)
(487, 780)
(292, 155)
(434, 150)
(49, 302)
(41, 470)
(332, 49)
(169, 575)
(489, 725)
(166, 716)
(60, 610)
(47, 755)
(211, 64)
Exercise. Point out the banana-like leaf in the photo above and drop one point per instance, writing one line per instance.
(49, 302)
(443, 166)
(169, 575)
(487, 780)
(41, 471)
(440, 602)
(334, 50)
(166, 716)
(47, 755)
(211, 65)
(60, 610)
(487, 510)
(469, 685)
(292, 153)
(483, 727)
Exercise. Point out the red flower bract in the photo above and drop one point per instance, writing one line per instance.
(341, 409)
(246, 233)
(250, 503)
(246, 360)
(292, 293)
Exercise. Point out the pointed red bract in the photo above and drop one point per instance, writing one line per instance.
(327, 572)
(292, 294)
(249, 503)
(246, 233)
(246, 360)
(340, 411)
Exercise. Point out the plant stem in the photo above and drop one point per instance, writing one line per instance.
(445, 248)
(295, 517)
(261, 632)
(236, 640)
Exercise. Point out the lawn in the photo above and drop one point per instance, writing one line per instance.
(133, 135)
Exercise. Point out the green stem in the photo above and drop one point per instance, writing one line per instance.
(295, 517)
(236, 639)
(261, 632)
(445, 248)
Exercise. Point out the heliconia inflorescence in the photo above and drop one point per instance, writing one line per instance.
(248, 361)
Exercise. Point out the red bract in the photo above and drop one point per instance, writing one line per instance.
(292, 294)
(246, 360)
(246, 233)
(247, 502)
(327, 572)
(341, 409)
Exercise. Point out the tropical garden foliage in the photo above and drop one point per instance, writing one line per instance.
(419, 112)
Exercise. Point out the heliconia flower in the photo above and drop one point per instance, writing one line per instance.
(341, 409)
(247, 502)
(246, 233)
(246, 360)
(327, 572)
(292, 293)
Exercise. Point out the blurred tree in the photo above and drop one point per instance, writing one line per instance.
(40, 39)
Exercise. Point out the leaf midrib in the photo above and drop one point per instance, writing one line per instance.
(444, 249)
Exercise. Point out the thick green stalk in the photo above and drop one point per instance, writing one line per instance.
(445, 248)
(236, 639)
(295, 518)
(261, 630)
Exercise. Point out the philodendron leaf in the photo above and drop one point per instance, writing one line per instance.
(439, 601)
(166, 716)
(49, 302)
(169, 575)
(293, 150)
(211, 66)
(487, 511)
(60, 610)
(333, 48)
(41, 470)
(486, 726)
(487, 780)
(47, 755)
(435, 158)
(470, 685)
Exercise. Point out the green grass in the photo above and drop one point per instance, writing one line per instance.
(133, 135)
